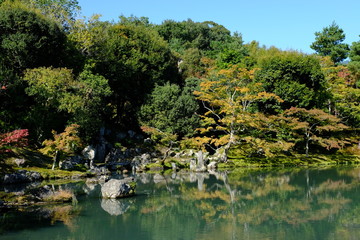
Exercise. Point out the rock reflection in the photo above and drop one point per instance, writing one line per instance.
(115, 207)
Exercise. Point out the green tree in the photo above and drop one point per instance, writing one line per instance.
(64, 12)
(93, 111)
(134, 58)
(328, 42)
(80, 99)
(171, 109)
(354, 64)
(204, 36)
(295, 77)
(28, 39)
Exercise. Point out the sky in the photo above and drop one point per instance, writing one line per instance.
(286, 24)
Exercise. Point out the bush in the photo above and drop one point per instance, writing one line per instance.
(14, 139)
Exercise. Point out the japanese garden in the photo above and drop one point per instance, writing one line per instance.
(201, 134)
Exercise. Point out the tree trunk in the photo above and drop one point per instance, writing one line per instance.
(166, 154)
(307, 147)
(56, 156)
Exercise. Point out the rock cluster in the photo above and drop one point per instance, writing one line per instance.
(22, 176)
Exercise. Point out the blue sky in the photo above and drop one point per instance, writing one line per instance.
(286, 24)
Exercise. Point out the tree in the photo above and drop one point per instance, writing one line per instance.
(315, 126)
(227, 96)
(171, 109)
(63, 145)
(295, 77)
(134, 58)
(14, 139)
(28, 39)
(354, 64)
(58, 92)
(64, 12)
(190, 34)
(345, 94)
(329, 43)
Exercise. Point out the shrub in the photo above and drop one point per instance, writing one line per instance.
(14, 139)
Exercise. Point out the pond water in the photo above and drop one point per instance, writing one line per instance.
(315, 203)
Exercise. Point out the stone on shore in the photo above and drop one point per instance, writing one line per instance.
(116, 188)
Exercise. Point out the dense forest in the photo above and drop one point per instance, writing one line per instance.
(193, 85)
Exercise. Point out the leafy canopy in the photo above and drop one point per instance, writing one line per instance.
(329, 42)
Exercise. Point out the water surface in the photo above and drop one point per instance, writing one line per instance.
(280, 203)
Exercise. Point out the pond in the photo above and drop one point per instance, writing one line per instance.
(267, 203)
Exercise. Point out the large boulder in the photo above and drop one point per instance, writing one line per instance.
(116, 188)
(22, 176)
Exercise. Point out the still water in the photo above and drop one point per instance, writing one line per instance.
(315, 203)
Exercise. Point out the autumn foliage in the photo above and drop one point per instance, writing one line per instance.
(67, 142)
(14, 139)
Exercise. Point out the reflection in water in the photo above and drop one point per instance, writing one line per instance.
(115, 207)
(242, 204)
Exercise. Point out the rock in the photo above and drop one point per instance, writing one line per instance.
(100, 171)
(71, 162)
(200, 159)
(101, 150)
(197, 164)
(148, 141)
(20, 188)
(89, 153)
(131, 133)
(115, 188)
(76, 159)
(66, 165)
(212, 165)
(99, 179)
(144, 178)
(192, 164)
(158, 178)
(189, 153)
(22, 176)
(139, 137)
(145, 158)
(220, 155)
(20, 162)
(114, 207)
(115, 155)
(120, 136)
(119, 166)
(40, 192)
(130, 152)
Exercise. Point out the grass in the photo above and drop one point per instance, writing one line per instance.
(49, 174)
(59, 196)
(36, 161)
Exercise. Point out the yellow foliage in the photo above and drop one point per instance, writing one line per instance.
(66, 142)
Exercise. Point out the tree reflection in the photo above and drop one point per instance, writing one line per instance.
(259, 204)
